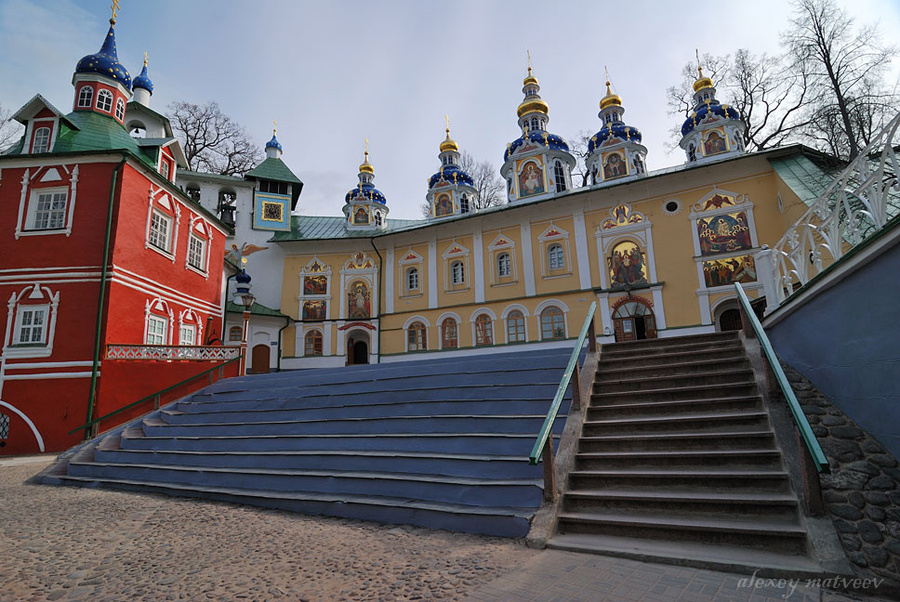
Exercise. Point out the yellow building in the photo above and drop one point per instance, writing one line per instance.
(658, 251)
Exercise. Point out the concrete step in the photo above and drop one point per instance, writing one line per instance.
(650, 347)
(783, 536)
(627, 383)
(720, 459)
(668, 342)
(460, 465)
(155, 427)
(656, 408)
(705, 555)
(724, 422)
(749, 439)
(614, 362)
(456, 490)
(682, 480)
(499, 522)
(674, 367)
(690, 504)
(682, 393)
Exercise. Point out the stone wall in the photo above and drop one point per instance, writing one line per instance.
(862, 493)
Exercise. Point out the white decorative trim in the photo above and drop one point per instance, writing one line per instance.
(14, 306)
(581, 251)
(416, 318)
(478, 265)
(22, 216)
(440, 328)
(21, 414)
(432, 274)
(528, 260)
(389, 280)
(197, 353)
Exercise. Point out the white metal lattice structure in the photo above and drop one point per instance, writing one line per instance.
(859, 203)
(163, 352)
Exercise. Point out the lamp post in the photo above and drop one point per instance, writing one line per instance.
(246, 298)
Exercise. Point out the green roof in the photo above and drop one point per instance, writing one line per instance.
(806, 178)
(273, 169)
(326, 227)
(95, 133)
(257, 309)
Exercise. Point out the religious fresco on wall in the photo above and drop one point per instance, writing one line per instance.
(723, 272)
(313, 310)
(361, 216)
(724, 233)
(358, 301)
(614, 167)
(626, 264)
(622, 216)
(714, 144)
(531, 180)
(315, 285)
(443, 205)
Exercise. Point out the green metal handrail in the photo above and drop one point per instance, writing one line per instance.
(157, 395)
(544, 434)
(815, 450)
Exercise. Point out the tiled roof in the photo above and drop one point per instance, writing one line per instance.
(273, 169)
(257, 309)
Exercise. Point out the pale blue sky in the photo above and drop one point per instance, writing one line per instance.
(334, 73)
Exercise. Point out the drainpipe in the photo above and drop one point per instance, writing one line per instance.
(380, 272)
(286, 324)
(99, 326)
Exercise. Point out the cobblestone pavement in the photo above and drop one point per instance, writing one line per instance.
(63, 543)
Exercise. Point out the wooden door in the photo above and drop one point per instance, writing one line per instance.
(259, 359)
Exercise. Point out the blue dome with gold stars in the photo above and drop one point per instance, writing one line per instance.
(618, 130)
(452, 174)
(274, 143)
(541, 138)
(707, 109)
(143, 80)
(366, 192)
(106, 61)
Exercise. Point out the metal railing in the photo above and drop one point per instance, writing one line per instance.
(802, 424)
(543, 446)
(198, 353)
(92, 427)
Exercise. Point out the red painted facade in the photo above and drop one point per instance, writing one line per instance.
(51, 282)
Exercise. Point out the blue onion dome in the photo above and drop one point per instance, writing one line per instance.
(143, 80)
(274, 143)
(708, 108)
(106, 61)
(542, 138)
(365, 192)
(243, 277)
(451, 174)
(616, 129)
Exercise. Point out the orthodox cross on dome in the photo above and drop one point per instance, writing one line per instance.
(274, 126)
(528, 53)
(699, 68)
(115, 10)
(146, 59)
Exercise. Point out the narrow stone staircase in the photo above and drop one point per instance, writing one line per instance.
(677, 462)
(436, 443)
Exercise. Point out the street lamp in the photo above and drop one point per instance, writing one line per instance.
(246, 298)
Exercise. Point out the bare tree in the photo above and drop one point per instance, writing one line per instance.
(212, 142)
(10, 131)
(770, 98)
(578, 147)
(487, 182)
(845, 67)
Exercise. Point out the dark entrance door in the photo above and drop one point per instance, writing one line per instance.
(360, 352)
(259, 359)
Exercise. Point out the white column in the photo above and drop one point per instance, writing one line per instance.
(478, 268)
(432, 260)
(765, 275)
(581, 251)
(389, 279)
(528, 260)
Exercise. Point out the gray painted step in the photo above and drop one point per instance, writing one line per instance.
(614, 362)
(745, 458)
(689, 504)
(748, 439)
(671, 479)
(611, 373)
(673, 381)
(656, 408)
(601, 397)
(723, 422)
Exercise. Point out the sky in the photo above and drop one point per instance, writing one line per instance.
(335, 73)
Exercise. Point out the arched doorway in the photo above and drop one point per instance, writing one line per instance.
(357, 348)
(730, 319)
(259, 359)
(633, 320)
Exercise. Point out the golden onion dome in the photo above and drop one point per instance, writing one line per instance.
(366, 167)
(530, 80)
(449, 144)
(533, 105)
(610, 99)
(702, 82)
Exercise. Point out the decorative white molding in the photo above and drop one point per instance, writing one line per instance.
(166, 352)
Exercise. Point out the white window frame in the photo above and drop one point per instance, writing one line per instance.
(196, 257)
(43, 133)
(457, 272)
(85, 97)
(153, 333)
(31, 217)
(187, 334)
(21, 325)
(153, 232)
(35, 298)
(164, 168)
(120, 110)
(306, 336)
(504, 265)
(412, 279)
(557, 260)
(104, 101)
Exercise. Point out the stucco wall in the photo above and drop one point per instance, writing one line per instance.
(846, 341)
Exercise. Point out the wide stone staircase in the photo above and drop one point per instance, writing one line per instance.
(678, 462)
(436, 443)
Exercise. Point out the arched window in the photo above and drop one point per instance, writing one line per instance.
(85, 97)
(378, 218)
(449, 334)
(556, 257)
(41, 140)
(312, 343)
(193, 191)
(559, 176)
(553, 325)
(457, 273)
(234, 334)
(104, 101)
(415, 337)
(504, 266)
(515, 327)
(120, 109)
(412, 279)
(464, 204)
(692, 152)
(484, 330)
